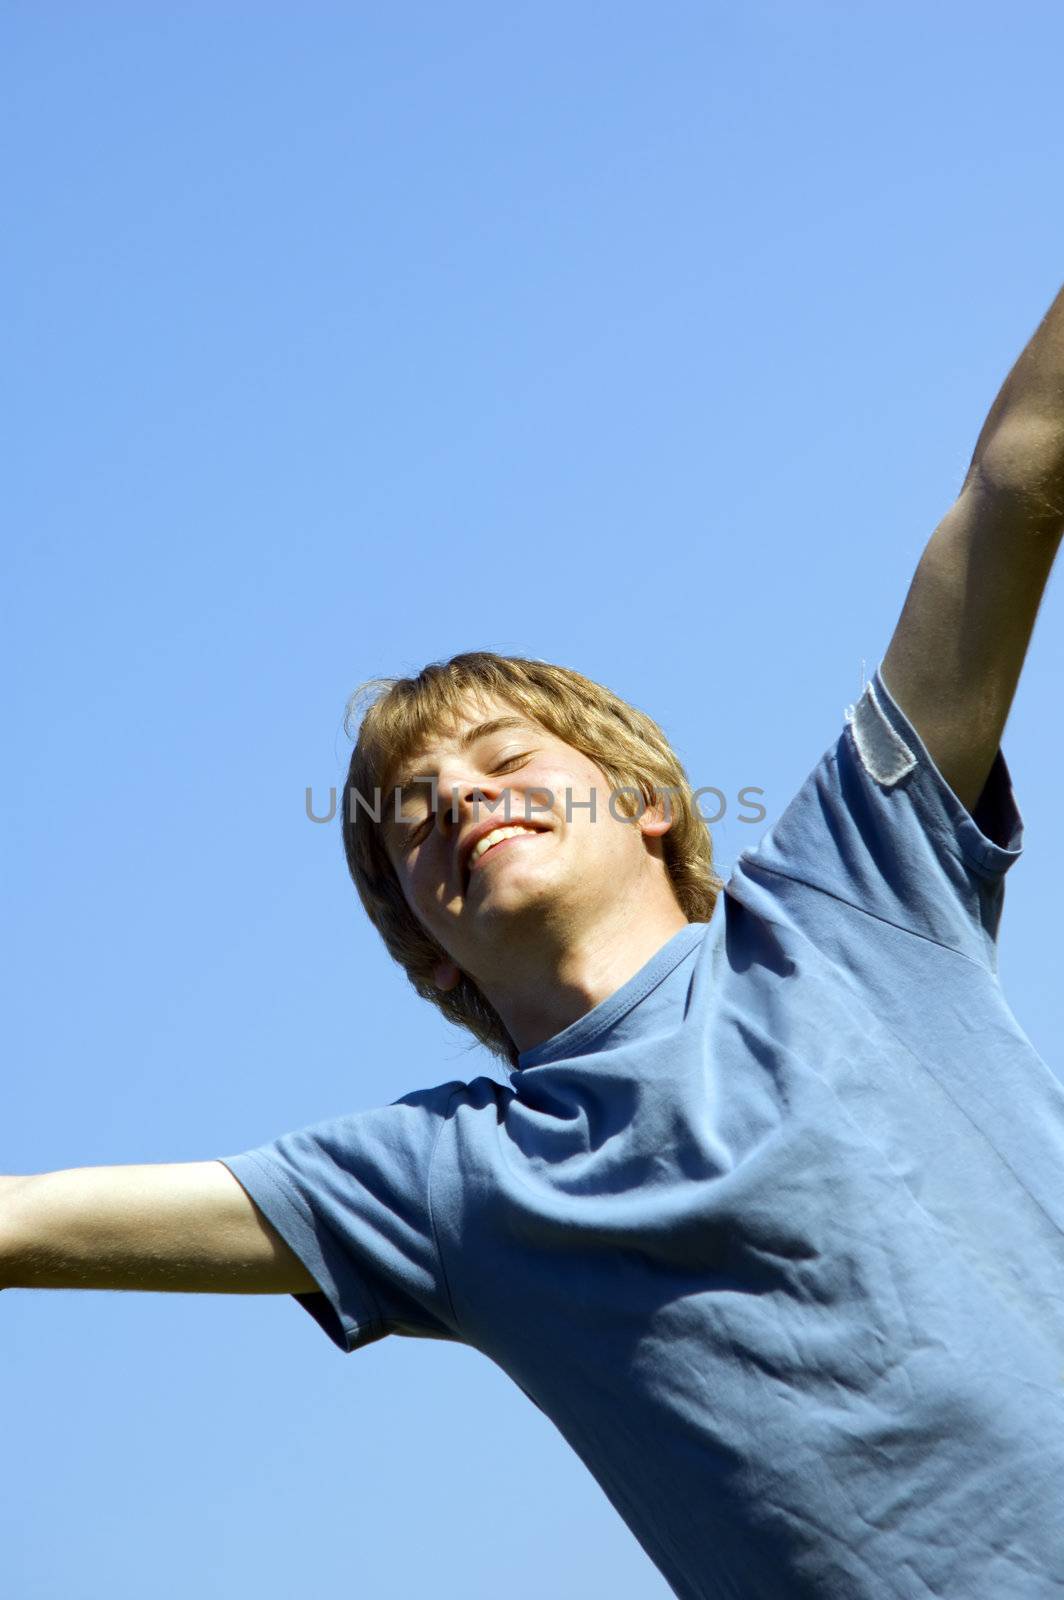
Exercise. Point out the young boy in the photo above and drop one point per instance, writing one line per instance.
(768, 1217)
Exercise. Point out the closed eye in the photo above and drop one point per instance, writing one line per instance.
(414, 835)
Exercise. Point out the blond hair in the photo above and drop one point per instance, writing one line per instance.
(398, 718)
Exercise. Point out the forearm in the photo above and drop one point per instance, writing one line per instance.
(1019, 454)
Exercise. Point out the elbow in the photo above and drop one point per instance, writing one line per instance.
(1019, 471)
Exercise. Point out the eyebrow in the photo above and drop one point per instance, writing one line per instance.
(483, 730)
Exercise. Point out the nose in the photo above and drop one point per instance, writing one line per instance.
(462, 802)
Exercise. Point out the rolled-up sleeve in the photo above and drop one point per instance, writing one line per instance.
(876, 826)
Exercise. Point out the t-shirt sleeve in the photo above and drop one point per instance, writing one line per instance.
(877, 826)
(352, 1198)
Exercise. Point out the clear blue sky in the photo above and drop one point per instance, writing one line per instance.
(653, 341)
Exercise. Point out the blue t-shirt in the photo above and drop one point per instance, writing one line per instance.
(773, 1234)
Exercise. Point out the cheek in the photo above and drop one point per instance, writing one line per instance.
(425, 889)
(413, 881)
(567, 789)
(592, 832)
(430, 889)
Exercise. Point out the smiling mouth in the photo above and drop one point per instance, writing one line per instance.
(521, 833)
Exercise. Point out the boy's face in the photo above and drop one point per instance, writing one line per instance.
(566, 869)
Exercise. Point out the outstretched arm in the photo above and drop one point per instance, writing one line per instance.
(186, 1226)
(955, 658)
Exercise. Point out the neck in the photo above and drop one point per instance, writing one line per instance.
(550, 988)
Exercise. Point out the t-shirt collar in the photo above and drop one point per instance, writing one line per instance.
(574, 1039)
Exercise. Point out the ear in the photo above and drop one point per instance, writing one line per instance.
(657, 819)
(446, 976)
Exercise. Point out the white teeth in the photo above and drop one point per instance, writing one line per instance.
(493, 838)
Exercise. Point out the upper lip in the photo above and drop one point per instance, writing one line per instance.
(482, 829)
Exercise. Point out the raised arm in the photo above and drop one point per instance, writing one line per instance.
(184, 1226)
(954, 661)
